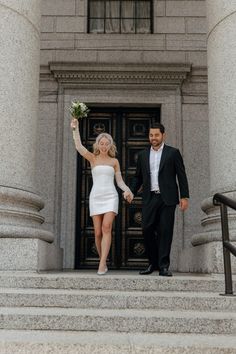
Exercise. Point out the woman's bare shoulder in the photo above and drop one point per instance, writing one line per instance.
(115, 161)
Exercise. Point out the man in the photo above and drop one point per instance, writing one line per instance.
(158, 168)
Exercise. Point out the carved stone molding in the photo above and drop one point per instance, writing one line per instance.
(112, 74)
(20, 217)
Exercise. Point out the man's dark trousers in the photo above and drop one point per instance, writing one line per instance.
(158, 227)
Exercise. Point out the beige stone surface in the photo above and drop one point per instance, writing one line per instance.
(185, 8)
(222, 104)
(196, 25)
(47, 24)
(19, 95)
(204, 258)
(125, 42)
(196, 157)
(207, 252)
(159, 8)
(197, 58)
(85, 56)
(46, 56)
(28, 13)
(46, 152)
(29, 254)
(196, 42)
(70, 24)
(24, 243)
(163, 56)
(81, 8)
(170, 25)
(123, 312)
(58, 7)
(57, 41)
(218, 11)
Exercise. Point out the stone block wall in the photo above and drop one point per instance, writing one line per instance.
(179, 35)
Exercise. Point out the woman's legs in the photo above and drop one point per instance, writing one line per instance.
(107, 222)
(102, 230)
(97, 223)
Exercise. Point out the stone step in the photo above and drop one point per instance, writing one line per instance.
(118, 320)
(114, 280)
(69, 298)
(54, 342)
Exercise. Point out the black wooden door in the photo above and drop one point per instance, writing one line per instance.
(129, 128)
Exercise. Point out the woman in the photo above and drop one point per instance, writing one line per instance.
(103, 199)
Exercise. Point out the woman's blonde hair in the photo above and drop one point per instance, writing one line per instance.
(112, 149)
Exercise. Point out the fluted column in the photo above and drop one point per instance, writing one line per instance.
(221, 47)
(222, 93)
(22, 238)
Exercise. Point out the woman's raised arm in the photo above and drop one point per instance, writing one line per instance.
(78, 144)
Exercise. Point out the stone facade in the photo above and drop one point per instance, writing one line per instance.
(174, 56)
(179, 39)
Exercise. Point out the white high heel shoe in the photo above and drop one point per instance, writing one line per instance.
(102, 273)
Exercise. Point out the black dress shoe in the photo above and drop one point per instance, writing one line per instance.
(165, 272)
(148, 270)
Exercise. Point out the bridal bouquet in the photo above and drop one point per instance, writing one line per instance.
(78, 110)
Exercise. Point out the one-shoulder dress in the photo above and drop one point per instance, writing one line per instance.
(103, 196)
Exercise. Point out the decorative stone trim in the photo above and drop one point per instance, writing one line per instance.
(22, 232)
(20, 198)
(212, 222)
(213, 236)
(120, 74)
(20, 217)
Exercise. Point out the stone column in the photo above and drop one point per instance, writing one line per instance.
(24, 245)
(221, 46)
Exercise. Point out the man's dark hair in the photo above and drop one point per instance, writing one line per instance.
(158, 126)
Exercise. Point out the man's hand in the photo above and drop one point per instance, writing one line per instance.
(183, 204)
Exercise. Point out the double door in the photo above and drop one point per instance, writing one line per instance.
(129, 128)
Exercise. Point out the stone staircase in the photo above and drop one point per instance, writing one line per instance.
(121, 312)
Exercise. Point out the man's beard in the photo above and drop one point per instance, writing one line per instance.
(156, 144)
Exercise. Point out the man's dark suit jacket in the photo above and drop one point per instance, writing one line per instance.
(171, 169)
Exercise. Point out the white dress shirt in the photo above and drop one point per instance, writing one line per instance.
(155, 159)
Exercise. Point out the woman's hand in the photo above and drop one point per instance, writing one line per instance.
(74, 123)
(128, 196)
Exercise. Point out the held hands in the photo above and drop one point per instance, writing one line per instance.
(128, 196)
(74, 123)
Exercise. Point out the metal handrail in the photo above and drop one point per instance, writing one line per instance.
(224, 202)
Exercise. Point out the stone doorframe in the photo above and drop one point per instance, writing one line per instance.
(124, 85)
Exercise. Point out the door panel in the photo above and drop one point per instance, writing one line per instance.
(129, 128)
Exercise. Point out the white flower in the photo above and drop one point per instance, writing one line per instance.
(83, 107)
(78, 110)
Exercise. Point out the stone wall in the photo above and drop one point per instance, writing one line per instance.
(179, 35)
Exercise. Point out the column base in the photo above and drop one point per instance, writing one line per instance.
(29, 255)
(204, 258)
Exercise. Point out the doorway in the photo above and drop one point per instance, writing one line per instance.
(129, 127)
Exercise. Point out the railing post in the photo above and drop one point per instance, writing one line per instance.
(226, 252)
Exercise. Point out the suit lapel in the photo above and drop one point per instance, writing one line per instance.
(163, 157)
(147, 163)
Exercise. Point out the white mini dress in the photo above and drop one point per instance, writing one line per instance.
(103, 196)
